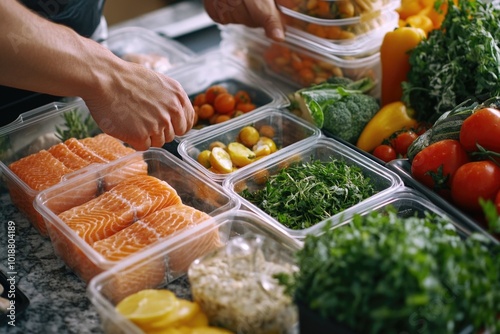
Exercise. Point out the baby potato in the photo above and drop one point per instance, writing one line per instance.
(221, 160)
(261, 145)
(240, 154)
(204, 158)
(248, 136)
(217, 144)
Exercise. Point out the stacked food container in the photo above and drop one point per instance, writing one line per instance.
(323, 39)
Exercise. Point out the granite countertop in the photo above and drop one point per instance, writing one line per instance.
(57, 298)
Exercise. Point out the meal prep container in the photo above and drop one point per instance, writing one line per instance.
(336, 9)
(296, 63)
(343, 37)
(323, 149)
(32, 132)
(407, 202)
(289, 131)
(146, 47)
(193, 188)
(402, 167)
(216, 67)
(107, 290)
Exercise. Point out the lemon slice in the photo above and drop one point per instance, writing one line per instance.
(181, 316)
(147, 305)
(221, 160)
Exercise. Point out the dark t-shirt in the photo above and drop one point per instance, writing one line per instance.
(83, 16)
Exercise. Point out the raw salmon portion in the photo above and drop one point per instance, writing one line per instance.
(106, 146)
(40, 170)
(77, 147)
(116, 209)
(152, 228)
(71, 160)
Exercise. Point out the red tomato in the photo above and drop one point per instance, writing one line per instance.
(435, 165)
(402, 141)
(474, 180)
(242, 96)
(212, 92)
(384, 152)
(245, 107)
(224, 103)
(483, 128)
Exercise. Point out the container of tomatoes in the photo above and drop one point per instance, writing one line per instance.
(245, 142)
(456, 163)
(241, 90)
(293, 62)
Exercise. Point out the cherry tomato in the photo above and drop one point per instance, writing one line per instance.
(242, 96)
(435, 165)
(474, 180)
(245, 107)
(384, 152)
(483, 128)
(402, 141)
(199, 100)
(205, 111)
(212, 92)
(224, 103)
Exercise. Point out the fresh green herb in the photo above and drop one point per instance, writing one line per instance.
(306, 193)
(458, 61)
(385, 273)
(75, 127)
(491, 214)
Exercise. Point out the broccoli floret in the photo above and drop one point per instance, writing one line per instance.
(346, 118)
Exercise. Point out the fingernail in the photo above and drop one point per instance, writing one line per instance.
(278, 34)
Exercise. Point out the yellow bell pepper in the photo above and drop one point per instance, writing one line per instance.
(392, 117)
(420, 21)
(394, 60)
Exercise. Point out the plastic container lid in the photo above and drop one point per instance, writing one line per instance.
(144, 46)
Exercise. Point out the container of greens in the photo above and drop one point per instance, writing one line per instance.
(400, 266)
(301, 188)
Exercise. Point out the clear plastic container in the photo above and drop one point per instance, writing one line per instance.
(288, 131)
(107, 289)
(146, 47)
(32, 132)
(79, 254)
(219, 68)
(297, 63)
(383, 180)
(355, 31)
(402, 167)
(337, 9)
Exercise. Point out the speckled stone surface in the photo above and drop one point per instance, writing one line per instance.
(57, 298)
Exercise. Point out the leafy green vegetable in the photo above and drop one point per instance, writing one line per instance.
(338, 105)
(75, 127)
(459, 61)
(385, 273)
(306, 193)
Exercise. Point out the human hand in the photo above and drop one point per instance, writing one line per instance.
(141, 107)
(252, 13)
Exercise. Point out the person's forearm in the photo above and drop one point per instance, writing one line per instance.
(45, 57)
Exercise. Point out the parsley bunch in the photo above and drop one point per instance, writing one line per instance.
(303, 194)
(382, 273)
(458, 61)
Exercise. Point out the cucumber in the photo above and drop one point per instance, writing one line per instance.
(449, 124)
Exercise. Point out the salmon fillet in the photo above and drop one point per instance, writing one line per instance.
(149, 230)
(116, 209)
(106, 146)
(78, 148)
(71, 160)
